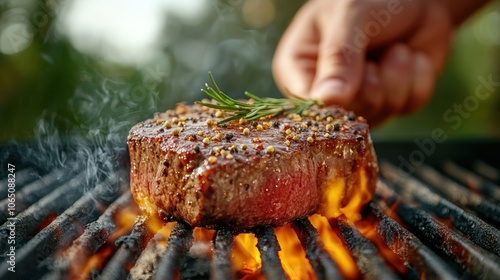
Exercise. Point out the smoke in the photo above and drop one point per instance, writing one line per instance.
(108, 99)
(91, 136)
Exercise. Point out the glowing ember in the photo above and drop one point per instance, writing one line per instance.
(93, 263)
(84, 264)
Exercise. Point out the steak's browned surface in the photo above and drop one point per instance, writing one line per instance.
(245, 174)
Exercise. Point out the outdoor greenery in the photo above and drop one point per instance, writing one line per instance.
(51, 87)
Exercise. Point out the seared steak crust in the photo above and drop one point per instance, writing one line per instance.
(184, 166)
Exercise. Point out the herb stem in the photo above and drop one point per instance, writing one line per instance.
(260, 107)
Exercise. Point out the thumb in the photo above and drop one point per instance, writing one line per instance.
(340, 60)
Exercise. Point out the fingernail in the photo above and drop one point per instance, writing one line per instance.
(400, 55)
(330, 89)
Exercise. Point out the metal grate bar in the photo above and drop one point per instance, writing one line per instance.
(23, 177)
(147, 263)
(319, 258)
(460, 195)
(65, 228)
(35, 191)
(268, 247)
(221, 262)
(181, 239)
(130, 249)
(32, 192)
(369, 262)
(94, 236)
(471, 226)
(486, 170)
(52, 204)
(409, 248)
(470, 257)
(468, 178)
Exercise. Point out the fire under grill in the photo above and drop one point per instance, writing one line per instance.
(439, 219)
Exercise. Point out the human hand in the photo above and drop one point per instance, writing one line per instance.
(377, 58)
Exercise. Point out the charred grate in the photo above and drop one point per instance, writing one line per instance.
(439, 222)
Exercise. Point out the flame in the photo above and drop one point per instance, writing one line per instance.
(165, 232)
(335, 247)
(83, 265)
(246, 260)
(93, 263)
(347, 200)
(203, 235)
(157, 225)
(246, 257)
(201, 245)
(366, 225)
(124, 220)
(292, 255)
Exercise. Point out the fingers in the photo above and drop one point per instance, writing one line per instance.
(387, 86)
(424, 78)
(294, 61)
(401, 83)
(438, 29)
(318, 56)
(322, 55)
(370, 99)
(397, 78)
(340, 59)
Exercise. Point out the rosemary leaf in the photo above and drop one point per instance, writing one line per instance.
(260, 107)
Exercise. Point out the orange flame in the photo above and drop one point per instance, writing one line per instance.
(246, 257)
(292, 255)
(347, 200)
(83, 265)
(335, 247)
(165, 232)
(246, 261)
(94, 262)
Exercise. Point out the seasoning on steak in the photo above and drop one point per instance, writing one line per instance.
(185, 166)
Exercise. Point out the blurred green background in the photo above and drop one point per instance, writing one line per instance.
(94, 68)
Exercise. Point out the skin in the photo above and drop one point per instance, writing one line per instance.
(339, 52)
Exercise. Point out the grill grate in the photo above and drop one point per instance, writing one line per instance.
(441, 223)
(319, 258)
(369, 262)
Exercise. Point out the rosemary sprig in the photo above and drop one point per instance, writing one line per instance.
(260, 107)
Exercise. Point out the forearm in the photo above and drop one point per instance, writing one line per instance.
(461, 10)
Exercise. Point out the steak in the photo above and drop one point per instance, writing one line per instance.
(186, 166)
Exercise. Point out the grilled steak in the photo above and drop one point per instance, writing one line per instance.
(185, 166)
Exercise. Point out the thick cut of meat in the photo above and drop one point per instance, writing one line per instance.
(185, 166)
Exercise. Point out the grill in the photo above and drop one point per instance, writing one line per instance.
(78, 221)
